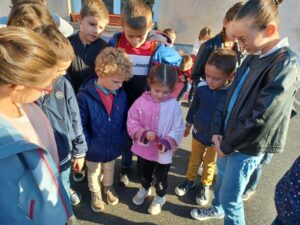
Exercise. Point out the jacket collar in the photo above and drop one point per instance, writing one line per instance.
(282, 43)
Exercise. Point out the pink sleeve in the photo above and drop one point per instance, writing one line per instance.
(134, 128)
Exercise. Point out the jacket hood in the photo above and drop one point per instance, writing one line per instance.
(11, 142)
(154, 35)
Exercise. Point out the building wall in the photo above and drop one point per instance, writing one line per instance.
(189, 16)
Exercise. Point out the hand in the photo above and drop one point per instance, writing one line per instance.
(217, 139)
(187, 131)
(151, 136)
(160, 148)
(77, 165)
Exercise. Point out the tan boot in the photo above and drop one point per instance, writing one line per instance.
(111, 195)
(97, 204)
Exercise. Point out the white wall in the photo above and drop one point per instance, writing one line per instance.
(189, 16)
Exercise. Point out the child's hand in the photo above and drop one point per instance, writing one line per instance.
(77, 165)
(151, 136)
(187, 131)
(217, 139)
(160, 148)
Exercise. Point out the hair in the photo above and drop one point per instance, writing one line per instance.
(16, 2)
(57, 42)
(233, 11)
(113, 61)
(186, 63)
(163, 74)
(31, 16)
(95, 8)
(169, 31)
(136, 14)
(205, 32)
(25, 57)
(223, 59)
(263, 12)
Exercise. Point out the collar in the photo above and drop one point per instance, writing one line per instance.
(104, 90)
(282, 43)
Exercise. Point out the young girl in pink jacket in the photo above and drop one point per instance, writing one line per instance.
(155, 124)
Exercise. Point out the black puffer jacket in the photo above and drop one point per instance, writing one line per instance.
(260, 116)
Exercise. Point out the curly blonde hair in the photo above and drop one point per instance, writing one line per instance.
(113, 61)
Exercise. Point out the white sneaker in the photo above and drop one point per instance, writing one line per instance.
(156, 205)
(140, 196)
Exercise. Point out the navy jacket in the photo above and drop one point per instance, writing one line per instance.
(202, 111)
(62, 110)
(83, 64)
(105, 134)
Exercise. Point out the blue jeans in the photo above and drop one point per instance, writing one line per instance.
(234, 172)
(65, 177)
(255, 177)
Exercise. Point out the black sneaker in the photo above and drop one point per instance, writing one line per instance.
(184, 188)
(202, 197)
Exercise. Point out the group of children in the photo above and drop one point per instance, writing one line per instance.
(237, 115)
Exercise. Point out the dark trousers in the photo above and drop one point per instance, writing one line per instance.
(160, 172)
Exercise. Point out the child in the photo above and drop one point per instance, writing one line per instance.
(87, 43)
(60, 105)
(287, 196)
(223, 39)
(219, 70)
(64, 27)
(103, 107)
(156, 127)
(171, 33)
(136, 19)
(30, 179)
(204, 35)
(257, 109)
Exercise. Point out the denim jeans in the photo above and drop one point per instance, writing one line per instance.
(255, 177)
(65, 177)
(234, 172)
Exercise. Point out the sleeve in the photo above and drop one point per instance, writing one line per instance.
(134, 128)
(192, 110)
(65, 27)
(199, 65)
(175, 136)
(217, 121)
(84, 114)
(167, 55)
(79, 144)
(269, 109)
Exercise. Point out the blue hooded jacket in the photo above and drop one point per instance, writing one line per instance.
(105, 134)
(31, 190)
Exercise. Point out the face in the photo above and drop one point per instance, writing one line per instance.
(136, 37)
(160, 91)
(250, 38)
(62, 67)
(111, 83)
(90, 29)
(28, 94)
(172, 37)
(215, 78)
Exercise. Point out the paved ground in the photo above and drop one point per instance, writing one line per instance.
(259, 209)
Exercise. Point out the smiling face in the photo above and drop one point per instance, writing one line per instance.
(91, 28)
(136, 37)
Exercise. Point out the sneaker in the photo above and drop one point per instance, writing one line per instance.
(247, 195)
(202, 196)
(78, 177)
(112, 197)
(140, 196)
(206, 214)
(124, 180)
(184, 188)
(97, 204)
(75, 197)
(156, 205)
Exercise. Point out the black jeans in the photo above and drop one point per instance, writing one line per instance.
(160, 172)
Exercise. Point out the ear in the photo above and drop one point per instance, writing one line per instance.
(270, 29)
(232, 75)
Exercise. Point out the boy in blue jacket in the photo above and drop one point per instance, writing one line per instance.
(219, 70)
(103, 108)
